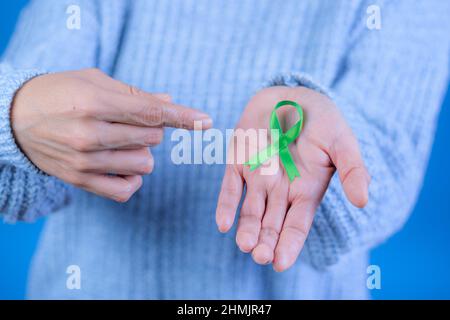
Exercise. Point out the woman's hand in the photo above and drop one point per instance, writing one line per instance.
(83, 126)
(276, 215)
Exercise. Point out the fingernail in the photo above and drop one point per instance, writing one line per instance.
(281, 262)
(207, 123)
(224, 225)
(245, 241)
(204, 119)
(151, 163)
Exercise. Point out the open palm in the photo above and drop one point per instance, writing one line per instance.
(277, 214)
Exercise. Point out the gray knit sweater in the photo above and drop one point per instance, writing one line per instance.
(214, 54)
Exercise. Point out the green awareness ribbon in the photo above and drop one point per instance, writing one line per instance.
(280, 146)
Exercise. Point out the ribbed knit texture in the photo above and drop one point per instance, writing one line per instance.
(214, 55)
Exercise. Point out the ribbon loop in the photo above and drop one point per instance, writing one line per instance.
(281, 146)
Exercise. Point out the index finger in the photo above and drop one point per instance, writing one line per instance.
(147, 110)
(229, 198)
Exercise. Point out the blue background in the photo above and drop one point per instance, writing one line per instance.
(415, 263)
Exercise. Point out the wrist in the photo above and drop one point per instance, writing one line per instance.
(11, 81)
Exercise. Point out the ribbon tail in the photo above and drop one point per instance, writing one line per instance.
(289, 164)
(256, 161)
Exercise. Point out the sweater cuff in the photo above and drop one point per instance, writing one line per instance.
(296, 79)
(10, 82)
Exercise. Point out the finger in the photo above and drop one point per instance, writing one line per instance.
(293, 235)
(117, 188)
(108, 83)
(250, 219)
(148, 110)
(229, 198)
(277, 204)
(163, 96)
(122, 162)
(355, 179)
(124, 136)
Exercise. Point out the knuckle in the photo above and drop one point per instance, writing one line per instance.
(181, 118)
(154, 115)
(252, 209)
(154, 136)
(270, 232)
(298, 232)
(303, 194)
(225, 206)
(86, 139)
(248, 217)
(164, 96)
(76, 180)
(86, 110)
(230, 189)
(82, 143)
(80, 162)
(184, 118)
(85, 105)
(134, 91)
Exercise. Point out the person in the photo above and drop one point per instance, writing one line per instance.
(81, 105)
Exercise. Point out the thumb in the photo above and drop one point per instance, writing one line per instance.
(354, 177)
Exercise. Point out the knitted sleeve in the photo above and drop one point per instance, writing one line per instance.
(48, 38)
(390, 87)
